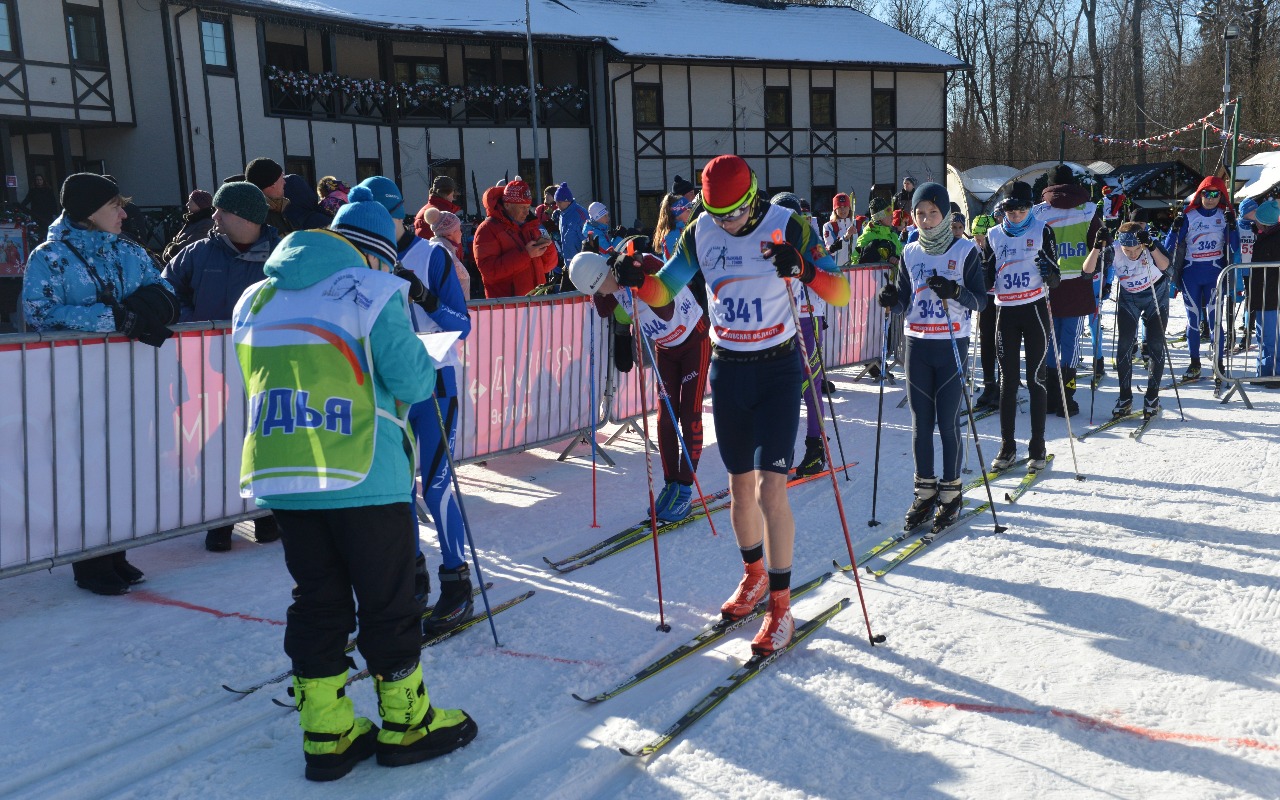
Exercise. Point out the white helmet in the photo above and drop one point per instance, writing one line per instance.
(588, 271)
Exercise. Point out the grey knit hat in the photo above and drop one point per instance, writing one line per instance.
(242, 199)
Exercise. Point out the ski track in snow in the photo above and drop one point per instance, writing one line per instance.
(1120, 640)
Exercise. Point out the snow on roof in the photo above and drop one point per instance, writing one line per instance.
(986, 180)
(660, 29)
(1261, 172)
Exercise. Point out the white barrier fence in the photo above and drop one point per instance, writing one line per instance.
(1250, 355)
(108, 444)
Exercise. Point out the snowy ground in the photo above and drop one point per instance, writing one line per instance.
(1120, 640)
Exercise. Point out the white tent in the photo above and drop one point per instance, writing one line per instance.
(973, 188)
(1032, 173)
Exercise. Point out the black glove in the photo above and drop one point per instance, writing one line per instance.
(1229, 217)
(1144, 237)
(590, 245)
(127, 322)
(1106, 290)
(153, 304)
(1049, 272)
(1178, 219)
(626, 269)
(888, 297)
(154, 334)
(417, 289)
(140, 328)
(787, 261)
(836, 245)
(623, 344)
(945, 288)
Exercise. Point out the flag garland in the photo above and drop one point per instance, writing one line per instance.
(1152, 142)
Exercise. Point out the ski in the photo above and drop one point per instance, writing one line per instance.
(1183, 381)
(711, 634)
(637, 529)
(1111, 423)
(1141, 429)
(351, 645)
(928, 539)
(991, 412)
(753, 667)
(1027, 480)
(646, 533)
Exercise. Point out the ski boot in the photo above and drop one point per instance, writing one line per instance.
(1053, 393)
(1099, 367)
(829, 386)
(1039, 459)
(1069, 385)
(662, 500)
(814, 460)
(412, 729)
(922, 507)
(1005, 458)
(778, 626)
(1193, 371)
(989, 397)
(334, 739)
(455, 604)
(1150, 407)
(218, 540)
(127, 572)
(1205, 333)
(678, 503)
(99, 575)
(751, 590)
(950, 501)
(421, 579)
(1123, 407)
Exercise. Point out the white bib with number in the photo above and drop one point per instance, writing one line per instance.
(1135, 274)
(1247, 238)
(668, 332)
(750, 306)
(1017, 276)
(1205, 236)
(927, 317)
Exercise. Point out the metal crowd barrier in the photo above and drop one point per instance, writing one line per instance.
(1256, 362)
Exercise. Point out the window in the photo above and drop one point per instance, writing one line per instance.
(515, 73)
(647, 101)
(822, 109)
(820, 202)
(301, 165)
(367, 168)
(478, 72)
(215, 43)
(777, 107)
(415, 70)
(88, 39)
(452, 168)
(884, 108)
(288, 57)
(8, 28)
(647, 206)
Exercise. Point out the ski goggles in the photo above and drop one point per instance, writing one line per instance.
(736, 211)
(1210, 194)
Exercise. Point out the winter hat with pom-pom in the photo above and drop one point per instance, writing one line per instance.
(367, 224)
(442, 223)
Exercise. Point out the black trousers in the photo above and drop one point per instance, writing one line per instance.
(1152, 307)
(1024, 327)
(335, 553)
(987, 342)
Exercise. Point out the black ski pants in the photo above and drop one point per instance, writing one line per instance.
(333, 554)
(1153, 310)
(1019, 328)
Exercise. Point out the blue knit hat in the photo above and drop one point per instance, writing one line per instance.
(367, 224)
(563, 195)
(935, 193)
(386, 192)
(1268, 213)
(1248, 204)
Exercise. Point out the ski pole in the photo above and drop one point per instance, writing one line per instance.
(968, 404)
(968, 380)
(1097, 347)
(884, 353)
(1168, 365)
(447, 442)
(780, 241)
(653, 512)
(1062, 387)
(671, 411)
(591, 365)
(822, 367)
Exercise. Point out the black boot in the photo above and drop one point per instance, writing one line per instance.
(950, 501)
(455, 604)
(1099, 367)
(421, 579)
(989, 397)
(1053, 393)
(814, 460)
(265, 529)
(1069, 384)
(218, 540)
(922, 507)
(99, 576)
(127, 572)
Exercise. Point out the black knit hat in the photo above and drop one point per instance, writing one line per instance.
(84, 193)
(262, 172)
(681, 186)
(1062, 174)
(1020, 196)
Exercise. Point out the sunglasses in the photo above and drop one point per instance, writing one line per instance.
(730, 216)
(1210, 194)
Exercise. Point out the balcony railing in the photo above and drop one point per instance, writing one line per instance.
(304, 94)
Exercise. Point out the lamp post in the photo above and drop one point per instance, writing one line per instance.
(1230, 33)
(533, 100)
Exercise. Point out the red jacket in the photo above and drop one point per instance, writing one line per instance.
(1211, 182)
(505, 268)
(420, 226)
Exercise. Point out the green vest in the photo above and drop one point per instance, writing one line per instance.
(1071, 231)
(308, 372)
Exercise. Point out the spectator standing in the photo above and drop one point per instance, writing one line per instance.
(87, 277)
(268, 176)
(448, 230)
(684, 188)
(332, 193)
(302, 211)
(196, 223)
(572, 217)
(841, 231)
(1264, 288)
(512, 251)
(444, 190)
(596, 231)
(41, 203)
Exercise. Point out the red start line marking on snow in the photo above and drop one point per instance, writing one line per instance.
(159, 600)
(1093, 723)
(556, 659)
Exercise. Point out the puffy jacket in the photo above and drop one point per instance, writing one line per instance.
(572, 218)
(210, 275)
(401, 369)
(62, 292)
(1264, 284)
(505, 268)
(303, 211)
(194, 228)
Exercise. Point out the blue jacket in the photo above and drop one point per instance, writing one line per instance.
(402, 370)
(601, 233)
(433, 266)
(572, 218)
(61, 292)
(210, 275)
(1176, 240)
